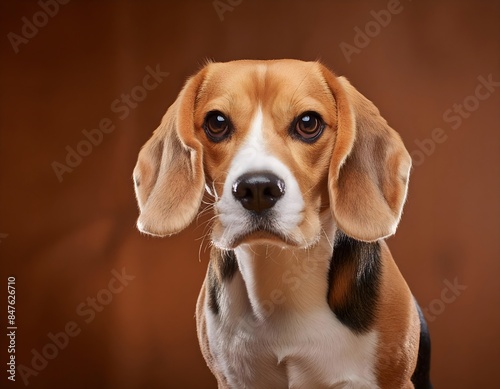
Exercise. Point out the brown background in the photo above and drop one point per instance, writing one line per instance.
(63, 239)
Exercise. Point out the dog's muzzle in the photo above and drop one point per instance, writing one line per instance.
(258, 192)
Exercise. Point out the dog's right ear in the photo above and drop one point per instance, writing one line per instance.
(168, 177)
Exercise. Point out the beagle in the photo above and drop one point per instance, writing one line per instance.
(305, 179)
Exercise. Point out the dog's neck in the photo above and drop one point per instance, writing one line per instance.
(284, 279)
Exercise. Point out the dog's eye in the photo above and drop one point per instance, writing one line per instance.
(217, 126)
(308, 126)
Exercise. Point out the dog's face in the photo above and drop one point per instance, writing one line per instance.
(267, 133)
(276, 144)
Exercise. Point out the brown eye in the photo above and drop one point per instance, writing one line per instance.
(308, 126)
(217, 126)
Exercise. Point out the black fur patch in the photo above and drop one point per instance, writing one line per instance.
(420, 377)
(213, 289)
(357, 311)
(228, 264)
(222, 267)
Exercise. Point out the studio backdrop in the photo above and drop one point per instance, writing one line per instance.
(88, 302)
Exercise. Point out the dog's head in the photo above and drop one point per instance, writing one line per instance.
(276, 143)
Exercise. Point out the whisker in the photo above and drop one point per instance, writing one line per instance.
(330, 243)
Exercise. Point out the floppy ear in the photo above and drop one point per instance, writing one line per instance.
(369, 171)
(168, 177)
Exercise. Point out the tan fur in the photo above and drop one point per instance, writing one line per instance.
(397, 324)
(339, 292)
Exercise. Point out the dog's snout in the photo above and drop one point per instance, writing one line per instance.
(258, 191)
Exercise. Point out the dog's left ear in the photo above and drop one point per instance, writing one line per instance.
(369, 171)
(168, 177)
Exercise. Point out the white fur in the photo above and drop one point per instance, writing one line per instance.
(254, 156)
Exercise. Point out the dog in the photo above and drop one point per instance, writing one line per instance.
(306, 180)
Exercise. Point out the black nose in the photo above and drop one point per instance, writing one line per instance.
(258, 191)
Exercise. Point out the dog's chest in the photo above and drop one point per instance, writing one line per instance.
(286, 349)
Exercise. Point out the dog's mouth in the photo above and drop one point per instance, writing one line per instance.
(263, 236)
(263, 230)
